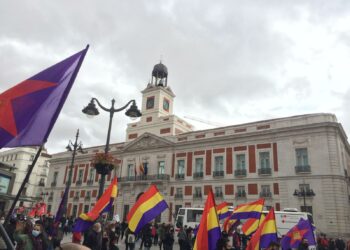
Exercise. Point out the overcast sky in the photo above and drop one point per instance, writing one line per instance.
(229, 62)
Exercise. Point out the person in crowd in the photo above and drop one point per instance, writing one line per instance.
(154, 234)
(304, 244)
(188, 242)
(117, 231)
(40, 239)
(236, 240)
(94, 237)
(129, 239)
(273, 246)
(181, 236)
(76, 237)
(105, 239)
(348, 245)
(161, 233)
(23, 235)
(331, 244)
(147, 237)
(11, 227)
(124, 226)
(168, 240)
(340, 244)
(113, 243)
(223, 244)
(324, 241)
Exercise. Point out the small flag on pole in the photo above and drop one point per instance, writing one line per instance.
(302, 230)
(29, 110)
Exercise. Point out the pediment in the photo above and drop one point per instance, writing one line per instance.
(148, 141)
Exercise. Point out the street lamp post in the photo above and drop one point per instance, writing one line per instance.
(73, 147)
(91, 110)
(302, 192)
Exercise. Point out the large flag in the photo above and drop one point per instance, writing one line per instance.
(149, 205)
(266, 233)
(229, 223)
(104, 204)
(252, 224)
(209, 228)
(300, 231)
(248, 210)
(222, 210)
(29, 110)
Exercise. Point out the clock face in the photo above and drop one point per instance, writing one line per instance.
(150, 102)
(166, 104)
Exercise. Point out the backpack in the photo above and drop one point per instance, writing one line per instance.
(131, 238)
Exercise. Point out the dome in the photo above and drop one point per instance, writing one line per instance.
(160, 70)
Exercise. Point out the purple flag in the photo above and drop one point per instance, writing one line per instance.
(62, 208)
(302, 230)
(29, 110)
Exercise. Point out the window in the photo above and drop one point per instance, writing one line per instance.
(181, 167)
(49, 207)
(125, 211)
(240, 161)
(11, 158)
(199, 165)
(130, 170)
(150, 102)
(197, 192)
(92, 174)
(265, 188)
(88, 194)
(161, 167)
(15, 156)
(219, 163)
(55, 175)
(302, 157)
(194, 215)
(76, 194)
(75, 209)
(264, 160)
(241, 190)
(179, 191)
(86, 208)
(218, 191)
(80, 176)
(32, 157)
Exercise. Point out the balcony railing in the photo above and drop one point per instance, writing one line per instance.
(218, 173)
(161, 177)
(53, 184)
(264, 171)
(307, 193)
(179, 196)
(240, 195)
(180, 176)
(240, 172)
(87, 198)
(303, 169)
(76, 198)
(90, 182)
(41, 184)
(78, 183)
(197, 196)
(265, 194)
(198, 175)
(219, 195)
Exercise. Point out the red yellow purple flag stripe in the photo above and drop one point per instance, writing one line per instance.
(149, 205)
(266, 233)
(222, 210)
(209, 228)
(252, 224)
(104, 204)
(248, 210)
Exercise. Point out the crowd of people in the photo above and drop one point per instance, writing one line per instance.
(43, 234)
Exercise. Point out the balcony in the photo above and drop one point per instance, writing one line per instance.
(219, 195)
(265, 194)
(179, 196)
(145, 178)
(304, 193)
(218, 173)
(241, 172)
(90, 182)
(265, 171)
(303, 169)
(76, 198)
(241, 195)
(43, 173)
(198, 175)
(87, 198)
(197, 196)
(78, 183)
(50, 199)
(53, 184)
(41, 184)
(180, 176)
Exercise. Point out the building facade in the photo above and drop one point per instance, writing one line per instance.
(294, 162)
(16, 161)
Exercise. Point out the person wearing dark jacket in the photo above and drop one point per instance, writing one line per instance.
(94, 237)
(168, 241)
(304, 245)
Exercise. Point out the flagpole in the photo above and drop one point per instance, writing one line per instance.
(30, 169)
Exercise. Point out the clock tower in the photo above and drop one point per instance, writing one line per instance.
(157, 108)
